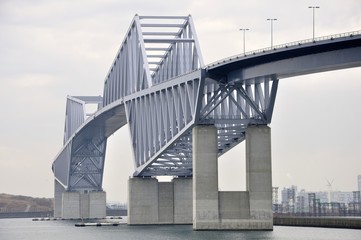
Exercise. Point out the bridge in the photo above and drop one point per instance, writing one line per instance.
(182, 116)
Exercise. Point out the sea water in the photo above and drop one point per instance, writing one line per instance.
(26, 229)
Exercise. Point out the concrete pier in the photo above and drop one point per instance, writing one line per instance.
(74, 205)
(183, 207)
(142, 201)
(58, 198)
(197, 201)
(205, 178)
(153, 202)
(259, 176)
(97, 204)
(71, 205)
(247, 210)
(83, 205)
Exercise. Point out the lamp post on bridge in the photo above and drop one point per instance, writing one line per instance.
(313, 21)
(244, 39)
(271, 19)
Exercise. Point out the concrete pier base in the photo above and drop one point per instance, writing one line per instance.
(71, 205)
(153, 202)
(247, 210)
(75, 205)
(183, 200)
(142, 201)
(97, 204)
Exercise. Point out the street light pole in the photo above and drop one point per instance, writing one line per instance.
(271, 19)
(244, 39)
(313, 21)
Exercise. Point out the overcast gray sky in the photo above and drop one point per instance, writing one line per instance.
(51, 49)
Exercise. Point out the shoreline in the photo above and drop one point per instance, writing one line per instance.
(324, 222)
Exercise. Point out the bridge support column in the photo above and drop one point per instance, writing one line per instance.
(153, 202)
(205, 178)
(247, 210)
(259, 176)
(58, 196)
(97, 204)
(70, 205)
(183, 200)
(83, 205)
(142, 201)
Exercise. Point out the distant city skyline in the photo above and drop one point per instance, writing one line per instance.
(294, 201)
(51, 49)
(325, 195)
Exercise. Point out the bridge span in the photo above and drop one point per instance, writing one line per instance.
(182, 116)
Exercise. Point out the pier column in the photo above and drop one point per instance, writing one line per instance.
(232, 210)
(97, 204)
(205, 178)
(143, 201)
(83, 205)
(71, 205)
(182, 188)
(58, 196)
(259, 176)
(153, 202)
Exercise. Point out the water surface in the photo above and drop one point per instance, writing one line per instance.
(16, 229)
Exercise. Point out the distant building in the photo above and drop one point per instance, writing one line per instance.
(289, 194)
(289, 198)
(323, 196)
(302, 201)
(342, 197)
(322, 203)
(336, 196)
(359, 182)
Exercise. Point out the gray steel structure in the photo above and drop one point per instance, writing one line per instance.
(159, 85)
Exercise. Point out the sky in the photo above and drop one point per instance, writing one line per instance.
(50, 49)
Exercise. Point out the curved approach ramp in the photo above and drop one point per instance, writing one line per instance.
(158, 84)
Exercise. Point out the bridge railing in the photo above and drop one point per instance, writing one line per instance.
(287, 45)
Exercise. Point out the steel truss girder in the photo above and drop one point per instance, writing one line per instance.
(75, 113)
(158, 118)
(82, 161)
(87, 147)
(250, 101)
(87, 164)
(230, 107)
(154, 50)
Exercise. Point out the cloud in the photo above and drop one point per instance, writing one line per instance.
(29, 81)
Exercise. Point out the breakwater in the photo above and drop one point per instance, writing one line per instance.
(110, 212)
(25, 214)
(328, 222)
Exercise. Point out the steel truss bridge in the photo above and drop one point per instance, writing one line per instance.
(159, 86)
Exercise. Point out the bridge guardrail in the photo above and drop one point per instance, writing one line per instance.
(286, 45)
